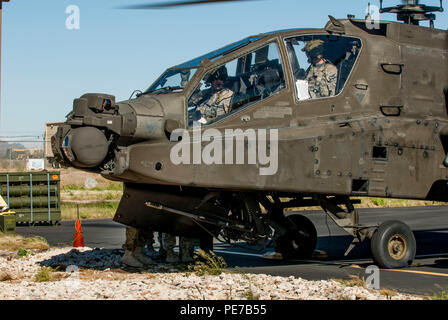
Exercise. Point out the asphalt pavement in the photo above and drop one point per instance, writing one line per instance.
(427, 275)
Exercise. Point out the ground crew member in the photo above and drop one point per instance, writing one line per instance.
(322, 75)
(186, 249)
(137, 238)
(135, 241)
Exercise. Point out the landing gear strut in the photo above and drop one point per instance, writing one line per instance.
(392, 243)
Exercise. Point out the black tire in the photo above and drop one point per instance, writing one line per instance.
(300, 241)
(393, 245)
(206, 243)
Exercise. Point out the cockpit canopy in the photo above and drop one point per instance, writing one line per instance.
(177, 77)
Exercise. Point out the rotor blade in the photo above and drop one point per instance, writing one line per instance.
(163, 5)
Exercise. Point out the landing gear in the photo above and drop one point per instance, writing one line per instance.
(260, 219)
(393, 245)
(299, 241)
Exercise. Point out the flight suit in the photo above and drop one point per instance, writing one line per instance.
(217, 105)
(322, 79)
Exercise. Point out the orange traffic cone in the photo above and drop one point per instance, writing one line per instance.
(78, 240)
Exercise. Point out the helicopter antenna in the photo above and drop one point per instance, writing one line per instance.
(412, 12)
(368, 17)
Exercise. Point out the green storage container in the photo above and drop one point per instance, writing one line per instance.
(8, 223)
(34, 196)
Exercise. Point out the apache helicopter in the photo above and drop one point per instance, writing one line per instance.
(352, 110)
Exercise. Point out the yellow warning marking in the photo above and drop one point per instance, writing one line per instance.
(408, 271)
(419, 272)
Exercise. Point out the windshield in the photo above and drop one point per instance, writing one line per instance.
(173, 79)
(177, 77)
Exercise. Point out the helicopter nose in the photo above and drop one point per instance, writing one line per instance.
(84, 147)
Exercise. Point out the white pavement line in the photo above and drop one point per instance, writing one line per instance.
(239, 253)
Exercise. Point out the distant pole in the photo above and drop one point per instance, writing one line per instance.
(44, 150)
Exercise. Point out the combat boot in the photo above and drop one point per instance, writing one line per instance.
(171, 257)
(129, 260)
(152, 253)
(140, 256)
(186, 257)
(273, 256)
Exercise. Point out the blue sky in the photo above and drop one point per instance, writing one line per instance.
(45, 65)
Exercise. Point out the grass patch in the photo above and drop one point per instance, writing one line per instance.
(391, 203)
(5, 276)
(249, 294)
(208, 263)
(388, 293)
(368, 202)
(21, 252)
(112, 186)
(379, 202)
(354, 281)
(73, 179)
(16, 242)
(44, 274)
(89, 210)
(442, 295)
(88, 195)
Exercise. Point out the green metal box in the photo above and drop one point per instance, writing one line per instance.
(34, 196)
(7, 224)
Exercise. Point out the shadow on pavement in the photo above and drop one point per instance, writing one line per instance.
(429, 242)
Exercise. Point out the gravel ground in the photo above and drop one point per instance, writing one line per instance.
(99, 275)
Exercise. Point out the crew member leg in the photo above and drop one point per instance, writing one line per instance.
(186, 249)
(150, 245)
(169, 242)
(135, 240)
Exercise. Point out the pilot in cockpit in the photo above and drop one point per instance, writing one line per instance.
(218, 98)
(322, 75)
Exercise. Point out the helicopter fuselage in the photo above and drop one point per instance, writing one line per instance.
(384, 134)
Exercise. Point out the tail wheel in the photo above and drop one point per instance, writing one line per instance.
(393, 245)
(300, 241)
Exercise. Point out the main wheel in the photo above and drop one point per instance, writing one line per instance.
(300, 241)
(393, 245)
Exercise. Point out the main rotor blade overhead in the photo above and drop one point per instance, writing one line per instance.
(164, 5)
